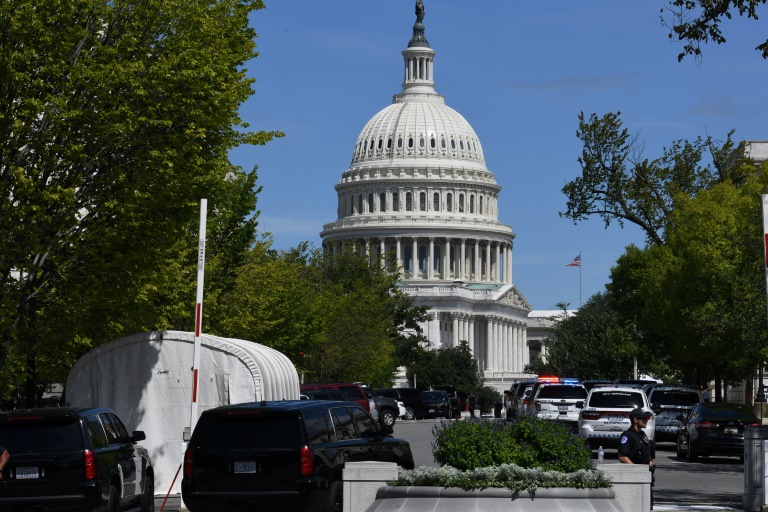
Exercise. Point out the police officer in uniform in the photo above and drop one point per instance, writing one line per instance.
(634, 445)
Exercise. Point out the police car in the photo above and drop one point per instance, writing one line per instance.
(558, 402)
(605, 415)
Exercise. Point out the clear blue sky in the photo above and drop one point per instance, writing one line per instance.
(520, 73)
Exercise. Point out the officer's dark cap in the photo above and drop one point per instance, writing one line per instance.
(639, 413)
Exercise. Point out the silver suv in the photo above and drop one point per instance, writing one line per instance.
(605, 415)
(559, 401)
(669, 402)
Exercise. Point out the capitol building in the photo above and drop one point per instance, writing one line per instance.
(418, 191)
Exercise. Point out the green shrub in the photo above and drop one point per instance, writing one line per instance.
(527, 442)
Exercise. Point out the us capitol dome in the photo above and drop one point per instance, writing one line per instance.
(418, 195)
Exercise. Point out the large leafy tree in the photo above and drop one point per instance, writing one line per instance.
(619, 184)
(698, 21)
(455, 366)
(116, 117)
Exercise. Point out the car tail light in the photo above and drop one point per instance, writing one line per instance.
(705, 424)
(306, 462)
(188, 463)
(90, 465)
(590, 415)
(754, 424)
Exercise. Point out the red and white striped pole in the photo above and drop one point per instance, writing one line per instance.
(198, 313)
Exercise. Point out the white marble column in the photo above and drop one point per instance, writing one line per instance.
(462, 262)
(399, 257)
(509, 263)
(431, 259)
(415, 260)
(515, 349)
(471, 332)
(488, 261)
(447, 260)
(492, 342)
(498, 254)
(478, 270)
(383, 249)
(455, 334)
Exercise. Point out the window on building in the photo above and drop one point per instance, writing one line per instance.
(381, 144)
(449, 202)
(421, 142)
(436, 202)
(453, 144)
(432, 143)
(423, 201)
(472, 203)
(436, 259)
(360, 204)
(410, 142)
(382, 202)
(389, 143)
(461, 203)
(408, 202)
(408, 260)
(422, 258)
(480, 204)
(395, 202)
(442, 143)
(461, 143)
(371, 144)
(399, 143)
(370, 203)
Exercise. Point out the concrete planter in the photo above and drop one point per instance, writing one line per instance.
(419, 499)
(365, 489)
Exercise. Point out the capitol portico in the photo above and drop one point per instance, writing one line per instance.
(418, 194)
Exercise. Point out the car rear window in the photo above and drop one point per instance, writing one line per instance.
(248, 430)
(735, 414)
(41, 436)
(353, 392)
(620, 399)
(674, 397)
(434, 395)
(577, 392)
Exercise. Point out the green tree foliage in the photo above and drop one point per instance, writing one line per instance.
(594, 343)
(455, 366)
(115, 119)
(618, 184)
(698, 21)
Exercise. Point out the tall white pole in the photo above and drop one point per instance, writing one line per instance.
(198, 312)
(765, 240)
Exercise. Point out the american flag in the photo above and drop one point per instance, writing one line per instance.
(576, 262)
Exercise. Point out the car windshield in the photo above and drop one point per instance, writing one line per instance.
(621, 399)
(675, 397)
(563, 392)
(30, 436)
(729, 414)
(434, 395)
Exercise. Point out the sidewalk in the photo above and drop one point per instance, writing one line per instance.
(690, 508)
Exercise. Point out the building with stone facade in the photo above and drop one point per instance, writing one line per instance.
(418, 191)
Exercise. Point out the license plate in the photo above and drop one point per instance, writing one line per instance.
(27, 473)
(562, 407)
(245, 467)
(731, 431)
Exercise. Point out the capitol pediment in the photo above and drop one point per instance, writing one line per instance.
(513, 297)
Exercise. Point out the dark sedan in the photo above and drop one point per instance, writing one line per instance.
(714, 429)
(436, 404)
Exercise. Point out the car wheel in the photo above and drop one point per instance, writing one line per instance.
(335, 498)
(409, 414)
(113, 502)
(387, 418)
(691, 455)
(148, 498)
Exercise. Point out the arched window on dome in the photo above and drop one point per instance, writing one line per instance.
(370, 203)
(472, 203)
(381, 144)
(436, 259)
(442, 142)
(461, 145)
(421, 142)
(436, 202)
(389, 143)
(399, 143)
(371, 144)
(480, 204)
(453, 144)
(423, 201)
(408, 202)
(408, 259)
(383, 202)
(360, 204)
(395, 202)
(432, 143)
(410, 142)
(461, 203)
(422, 258)
(449, 202)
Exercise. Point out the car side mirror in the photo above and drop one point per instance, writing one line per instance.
(138, 435)
(579, 405)
(386, 430)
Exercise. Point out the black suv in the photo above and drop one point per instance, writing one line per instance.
(411, 397)
(285, 455)
(73, 459)
(456, 397)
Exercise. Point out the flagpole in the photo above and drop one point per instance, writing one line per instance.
(581, 261)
